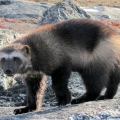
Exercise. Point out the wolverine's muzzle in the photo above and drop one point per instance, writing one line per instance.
(9, 72)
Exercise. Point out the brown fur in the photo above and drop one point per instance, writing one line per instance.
(35, 86)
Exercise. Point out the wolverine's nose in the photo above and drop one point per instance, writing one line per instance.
(8, 71)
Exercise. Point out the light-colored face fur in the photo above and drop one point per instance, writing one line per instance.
(12, 55)
(15, 61)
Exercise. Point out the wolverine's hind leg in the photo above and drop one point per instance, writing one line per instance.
(112, 86)
(94, 80)
(110, 92)
(35, 86)
(60, 85)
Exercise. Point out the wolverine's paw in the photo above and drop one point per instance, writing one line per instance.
(75, 101)
(64, 100)
(22, 110)
(101, 97)
(79, 100)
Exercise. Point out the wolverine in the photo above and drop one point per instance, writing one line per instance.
(88, 47)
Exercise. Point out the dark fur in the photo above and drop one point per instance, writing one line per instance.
(86, 46)
(35, 86)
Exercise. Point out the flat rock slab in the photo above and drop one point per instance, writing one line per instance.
(112, 13)
(21, 9)
(100, 110)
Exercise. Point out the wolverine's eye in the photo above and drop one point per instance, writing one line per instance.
(15, 58)
(3, 60)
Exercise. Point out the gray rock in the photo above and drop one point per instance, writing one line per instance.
(63, 11)
(5, 2)
(112, 13)
(97, 110)
(7, 36)
(22, 9)
(105, 16)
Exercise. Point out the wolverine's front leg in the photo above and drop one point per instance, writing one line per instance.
(35, 86)
(60, 85)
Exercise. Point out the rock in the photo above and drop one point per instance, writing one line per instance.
(22, 9)
(112, 13)
(97, 110)
(6, 36)
(63, 11)
(11, 97)
(5, 2)
(105, 16)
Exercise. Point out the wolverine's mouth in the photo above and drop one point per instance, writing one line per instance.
(10, 75)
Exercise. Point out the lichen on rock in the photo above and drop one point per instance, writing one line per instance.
(64, 10)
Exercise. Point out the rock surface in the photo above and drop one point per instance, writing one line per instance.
(64, 10)
(99, 110)
(111, 13)
(5, 2)
(21, 13)
(21, 9)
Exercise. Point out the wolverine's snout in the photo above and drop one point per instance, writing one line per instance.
(9, 72)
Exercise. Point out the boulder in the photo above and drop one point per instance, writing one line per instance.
(63, 10)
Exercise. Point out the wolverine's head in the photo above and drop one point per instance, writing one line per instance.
(15, 58)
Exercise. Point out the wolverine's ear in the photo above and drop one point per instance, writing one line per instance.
(26, 49)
